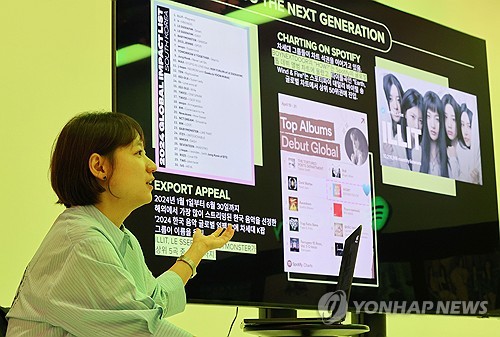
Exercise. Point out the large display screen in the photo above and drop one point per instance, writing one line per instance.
(297, 121)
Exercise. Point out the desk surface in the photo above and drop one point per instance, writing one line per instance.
(305, 329)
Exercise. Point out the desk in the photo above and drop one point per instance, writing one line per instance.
(305, 329)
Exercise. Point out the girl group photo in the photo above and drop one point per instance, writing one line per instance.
(428, 128)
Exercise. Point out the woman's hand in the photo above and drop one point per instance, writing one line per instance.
(215, 240)
(199, 247)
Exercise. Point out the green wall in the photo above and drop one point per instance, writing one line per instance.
(56, 62)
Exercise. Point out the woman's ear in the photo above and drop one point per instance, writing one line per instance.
(99, 167)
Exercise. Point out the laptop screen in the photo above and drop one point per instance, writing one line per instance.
(349, 255)
(338, 301)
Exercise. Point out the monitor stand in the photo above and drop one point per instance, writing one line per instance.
(263, 327)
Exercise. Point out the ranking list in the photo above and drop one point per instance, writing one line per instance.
(203, 97)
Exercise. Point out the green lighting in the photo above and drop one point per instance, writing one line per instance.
(133, 53)
(257, 14)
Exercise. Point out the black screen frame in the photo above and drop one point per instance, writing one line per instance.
(412, 245)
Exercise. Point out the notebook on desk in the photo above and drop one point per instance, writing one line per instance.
(336, 313)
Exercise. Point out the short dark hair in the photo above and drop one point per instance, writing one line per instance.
(83, 135)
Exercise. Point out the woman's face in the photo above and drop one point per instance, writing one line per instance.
(395, 104)
(433, 124)
(466, 129)
(132, 175)
(450, 122)
(414, 118)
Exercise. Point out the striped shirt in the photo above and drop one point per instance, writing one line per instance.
(89, 278)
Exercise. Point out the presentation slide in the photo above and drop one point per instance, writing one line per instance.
(326, 188)
(295, 122)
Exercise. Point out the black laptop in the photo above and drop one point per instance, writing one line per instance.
(340, 296)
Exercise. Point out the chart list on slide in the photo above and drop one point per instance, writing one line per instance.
(203, 97)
